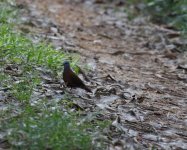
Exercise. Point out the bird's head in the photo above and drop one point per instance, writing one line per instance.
(66, 64)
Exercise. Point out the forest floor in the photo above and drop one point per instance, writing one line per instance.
(137, 72)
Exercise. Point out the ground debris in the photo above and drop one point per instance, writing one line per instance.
(139, 76)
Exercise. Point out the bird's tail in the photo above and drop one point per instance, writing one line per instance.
(87, 89)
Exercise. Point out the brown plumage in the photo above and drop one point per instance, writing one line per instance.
(71, 79)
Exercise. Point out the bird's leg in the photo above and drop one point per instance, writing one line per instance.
(67, 90)
(65, 87)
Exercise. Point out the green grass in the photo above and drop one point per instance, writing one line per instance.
(44, 125)
(52, 130)
(170, 12)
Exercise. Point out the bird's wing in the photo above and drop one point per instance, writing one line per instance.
(76, 79)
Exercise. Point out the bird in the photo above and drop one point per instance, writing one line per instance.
(71, 79)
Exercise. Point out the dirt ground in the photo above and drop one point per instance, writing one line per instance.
(138, 74)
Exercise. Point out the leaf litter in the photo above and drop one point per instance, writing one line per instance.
(138, 74)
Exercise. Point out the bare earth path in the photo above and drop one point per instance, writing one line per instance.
(145, 92)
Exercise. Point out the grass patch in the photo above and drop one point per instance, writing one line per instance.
(47, 131)
(170, 12)
(39, 126)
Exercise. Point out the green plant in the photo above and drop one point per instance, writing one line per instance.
(49, 130)
(43, 123)
(171, 12)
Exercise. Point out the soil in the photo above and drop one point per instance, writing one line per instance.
(137, 72)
